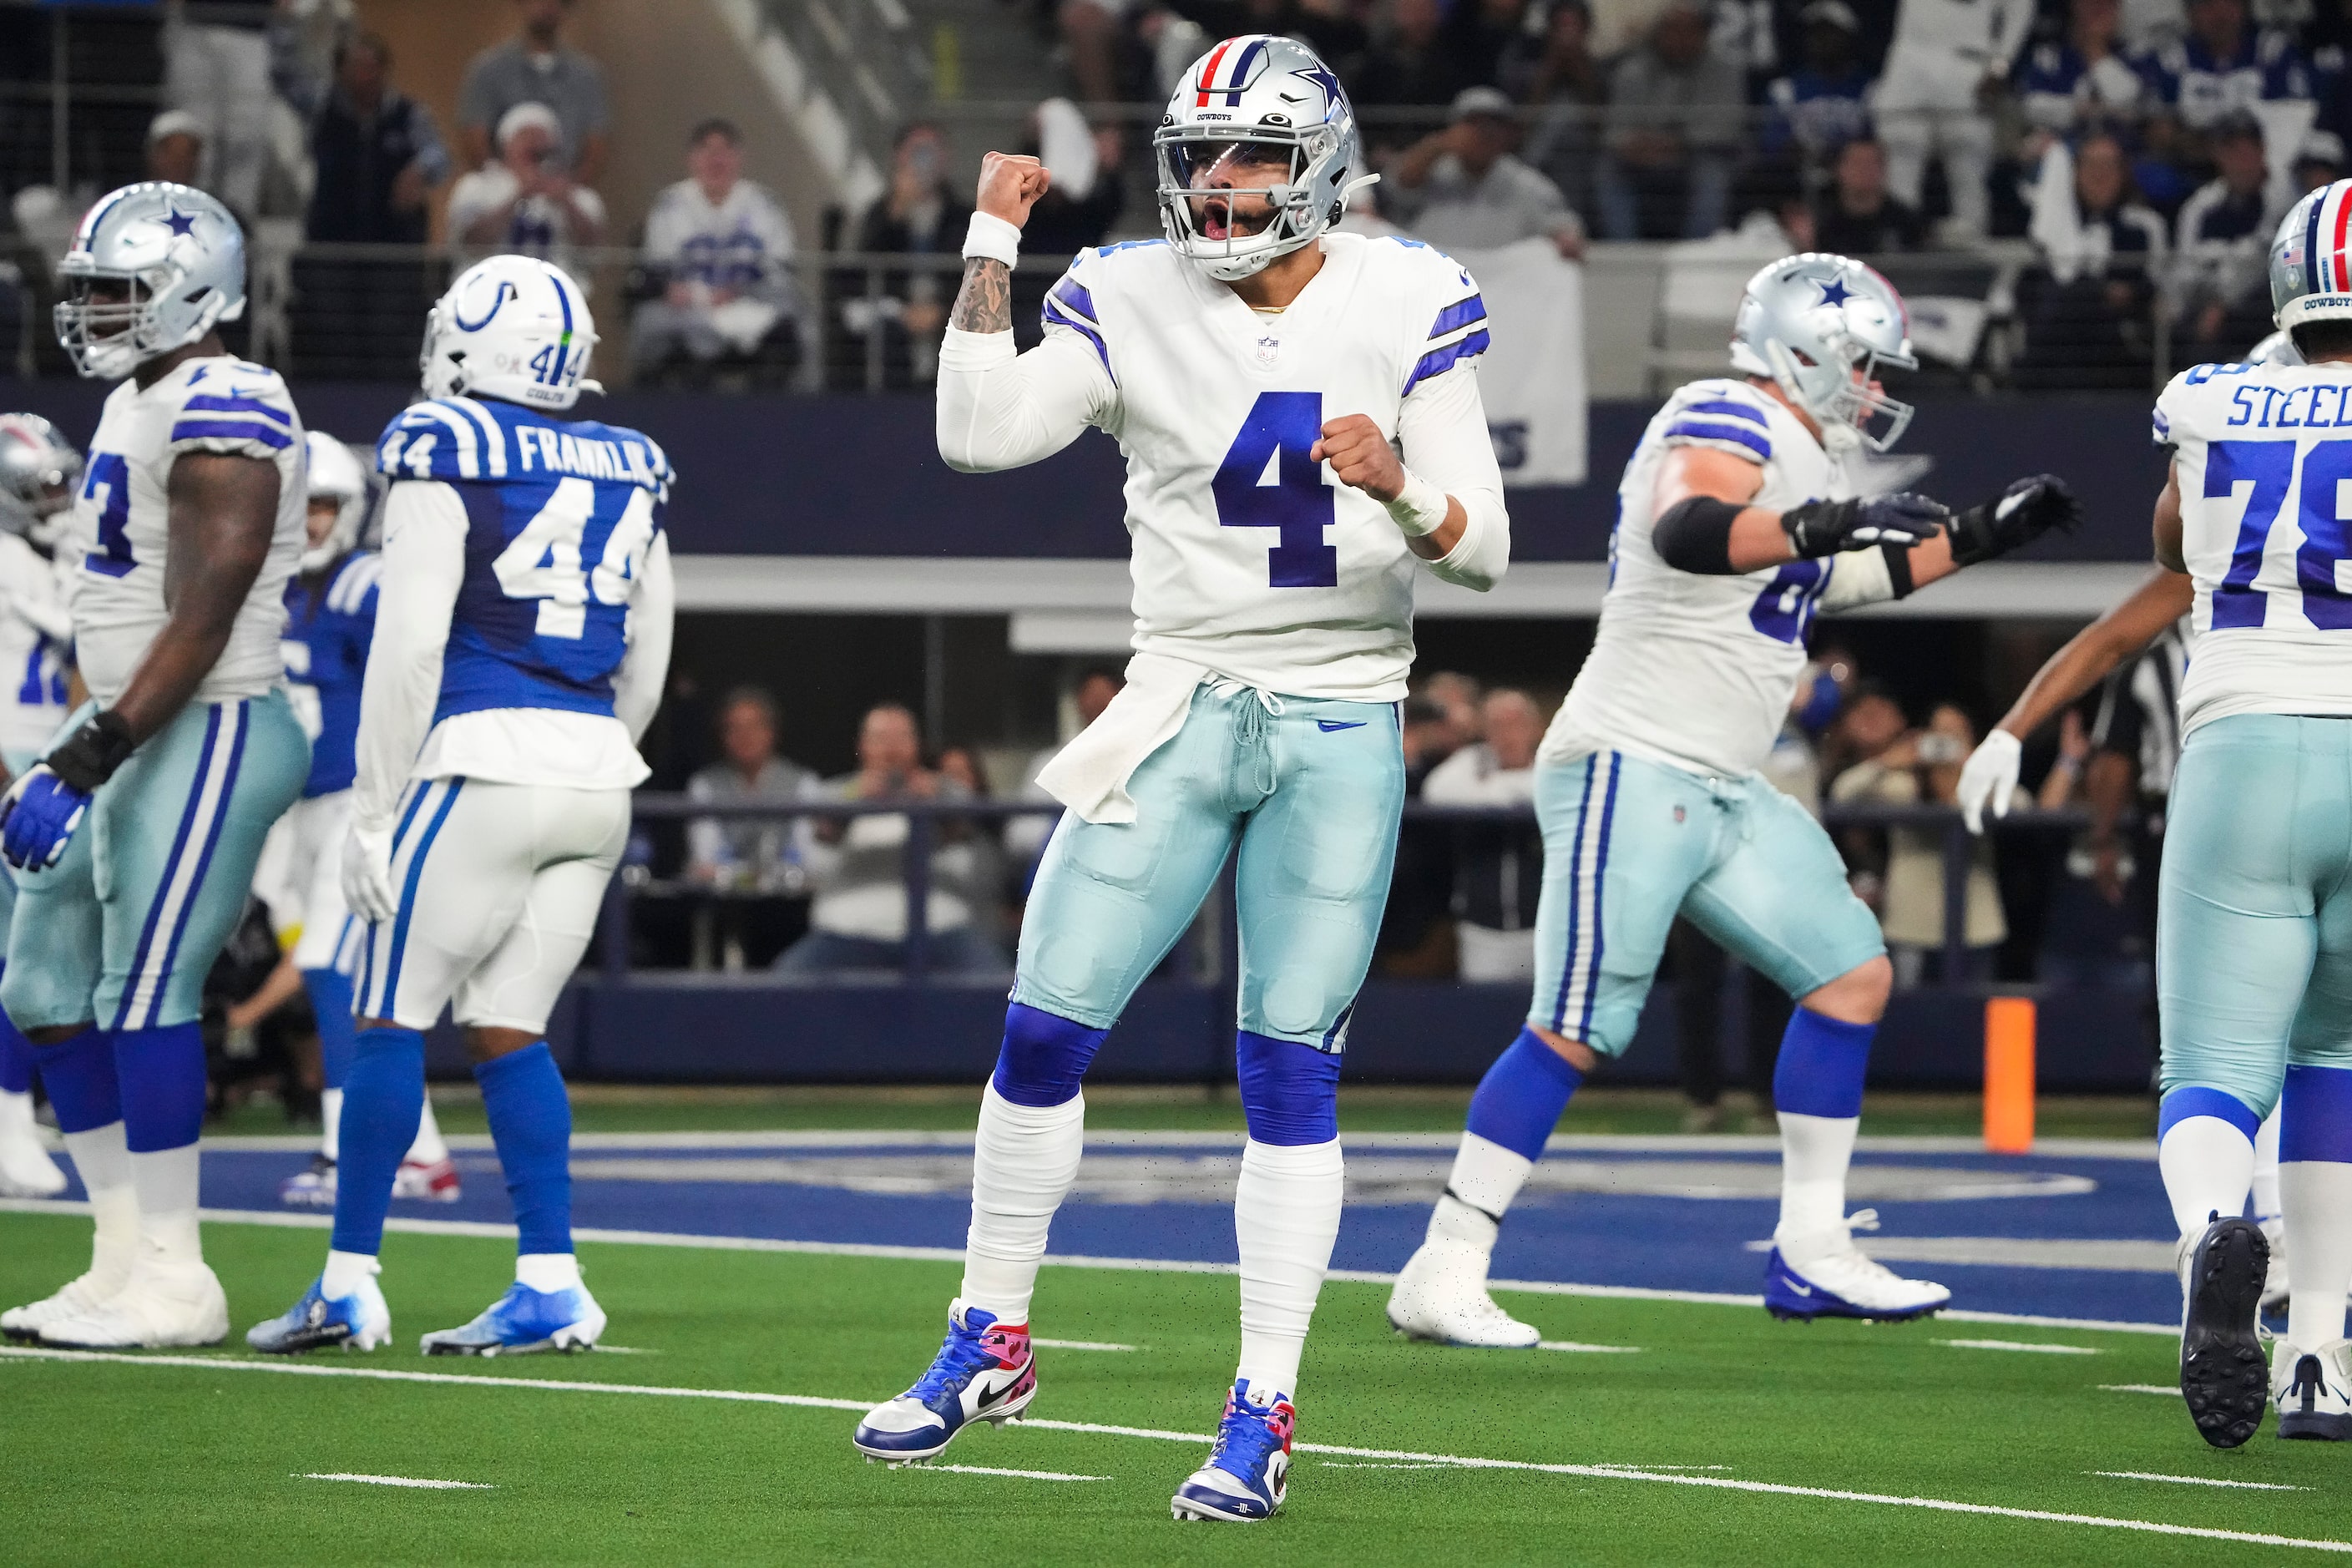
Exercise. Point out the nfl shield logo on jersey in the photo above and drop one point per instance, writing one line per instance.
(1269, 348)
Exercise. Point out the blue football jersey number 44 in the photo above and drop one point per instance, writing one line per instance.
(544, 562)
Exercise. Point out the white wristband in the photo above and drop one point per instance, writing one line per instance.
(1420, 508)
(992, 238)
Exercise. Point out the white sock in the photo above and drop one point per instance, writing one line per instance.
(1814, 1153)
(2319, 1194)
(2209, 1168)
(345, 1272)
(1486, 1177)
(166, 1182)
(1023, 1160)
(1286, 1217)
(429, 1148)
(102, 1160)
(2266, 1168)
(331, 1118)
(16, 1118)
(547, 1272)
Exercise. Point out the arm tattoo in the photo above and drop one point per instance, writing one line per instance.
(984, 303)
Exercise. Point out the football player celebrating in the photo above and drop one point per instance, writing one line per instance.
(186, 528)
(2253, 907)
(1737, 524)
(331, 617)
(38, 471)
(1243, 364)
(522, 635)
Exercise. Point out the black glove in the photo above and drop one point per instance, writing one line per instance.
(2025, 511)
(89, 757)
(1821, 528)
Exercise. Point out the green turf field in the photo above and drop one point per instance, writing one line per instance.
(112, 1463)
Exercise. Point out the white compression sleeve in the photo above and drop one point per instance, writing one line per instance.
(424, 566)
(653, 619)
(1000, 409)
(1286, 1219)
(1023, 1162)
(1815, 1151)
(1442, 429)
(1857, 577)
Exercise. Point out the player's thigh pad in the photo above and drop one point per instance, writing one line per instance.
(1111, 897)
(320, 825)
(177, 833)
(2256, 834)
(1777, 897)
(1623, 840)
(582, 834)
(1313, 874)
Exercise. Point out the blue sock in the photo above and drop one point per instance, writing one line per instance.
(2315, 1116)
(1044, 1057)
(338, 1033)
(1822, 1065)
(1290, 1092)
(1519, 1101)
(162, 1072)
(383, 1098)
(80, 1075)
(15, 1054)
(530, 1121)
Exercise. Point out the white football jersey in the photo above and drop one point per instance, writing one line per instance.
(36, 651)
(1697, 671)
(1249, 559)
(121, 528)
(2262, 454)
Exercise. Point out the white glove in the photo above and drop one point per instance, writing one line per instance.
(1990, 777)
(367, 874)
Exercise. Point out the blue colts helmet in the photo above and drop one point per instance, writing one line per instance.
(1260, 116)
(176, 258)
(2311, 259)
(1810, 323)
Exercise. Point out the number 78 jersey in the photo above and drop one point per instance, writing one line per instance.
(1249, 558)
(560, 515)
(2262, 456)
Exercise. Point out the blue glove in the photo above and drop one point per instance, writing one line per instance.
(37, 818)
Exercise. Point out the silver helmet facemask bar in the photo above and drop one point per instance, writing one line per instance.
(1856, 410)
(1189, 157)
(85, 324)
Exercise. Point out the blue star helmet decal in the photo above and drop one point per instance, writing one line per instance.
(1834, 292)
(1322, 76)
(179, 222)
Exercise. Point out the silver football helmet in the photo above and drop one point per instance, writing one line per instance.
(335, 475)
(39, 467)
(2311, 261)
(1260, 116)
(154, 266)
(1823, 327)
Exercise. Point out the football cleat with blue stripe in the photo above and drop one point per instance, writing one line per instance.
(523, 1321)
(985, 1370)
(1823, 1274)
(1248, 1472)
(358, 1321)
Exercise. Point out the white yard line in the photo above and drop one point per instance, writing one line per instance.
(1597, 1472)
(1081, 1345)
(992, 1470)
(2196, 1480)
(2139, 1388)
(414, 1481)
(1587, 1350)
(2017, 1345)
(292, 1220)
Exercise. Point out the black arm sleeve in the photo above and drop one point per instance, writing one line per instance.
(1694, 535)
(1898, 568)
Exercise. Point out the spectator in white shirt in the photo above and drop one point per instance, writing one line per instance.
(1947, 57)
(1498, 867)
(1463, 188)
(526, 201)
(722, 247)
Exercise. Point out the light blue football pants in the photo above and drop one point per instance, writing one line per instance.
(124, 929)
(2254, 908)
(1628, 844)
(1312, 794)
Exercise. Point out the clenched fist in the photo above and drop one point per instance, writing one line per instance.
(1360, 456)
(1010, 185)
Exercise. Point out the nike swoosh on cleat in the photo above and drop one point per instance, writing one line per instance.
(1330, 725)
(1800, 1289)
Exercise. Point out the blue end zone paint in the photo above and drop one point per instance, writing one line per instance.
(1685, 1244)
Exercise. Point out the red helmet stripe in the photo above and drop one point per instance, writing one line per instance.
(1209, 74)
(2343, 218)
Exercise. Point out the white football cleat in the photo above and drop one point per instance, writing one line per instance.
(2312, 1391)
(86, 1294)
(1823, 1274)
(1441, 1296)
(164, 1306)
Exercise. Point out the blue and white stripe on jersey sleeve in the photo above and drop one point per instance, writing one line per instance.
(1726, 422)
(1459, 333)
(1072, 305)
(446, 438)
(245, 411)
(353, 591)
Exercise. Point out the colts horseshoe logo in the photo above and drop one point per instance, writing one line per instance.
(506, 292)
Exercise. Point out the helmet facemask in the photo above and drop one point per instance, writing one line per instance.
(106, 321)
(1845, 398)
(1236, 204)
